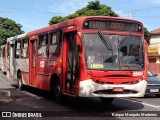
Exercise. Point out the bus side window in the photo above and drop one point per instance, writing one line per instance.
(55, 44)
(25, 48)
(42, 47)
(18, 49)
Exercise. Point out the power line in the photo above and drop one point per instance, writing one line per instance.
(33, 11)
(145, 9)
(131, 13)
(158, 16)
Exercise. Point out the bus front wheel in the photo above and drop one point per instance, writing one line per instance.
(56, 91)
(158, 95)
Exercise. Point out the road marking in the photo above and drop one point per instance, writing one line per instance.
(136, 101)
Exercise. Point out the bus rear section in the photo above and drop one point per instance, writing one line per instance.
(4, 58)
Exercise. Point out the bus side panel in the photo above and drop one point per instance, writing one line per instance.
(43, 82)
(25, 77)
(22, 65)
(42, 74)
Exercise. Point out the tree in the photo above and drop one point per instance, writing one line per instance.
(8, 28)
(147, 35)
(92, 9)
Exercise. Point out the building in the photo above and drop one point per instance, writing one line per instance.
(154, 51)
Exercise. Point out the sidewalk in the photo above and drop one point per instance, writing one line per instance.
(5, 86)
(4, 83)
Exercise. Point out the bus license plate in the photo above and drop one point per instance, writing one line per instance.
(154, 90)
(118, 89)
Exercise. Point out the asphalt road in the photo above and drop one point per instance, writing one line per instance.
(32, 100)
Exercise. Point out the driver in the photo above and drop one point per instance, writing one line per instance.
(123, 62)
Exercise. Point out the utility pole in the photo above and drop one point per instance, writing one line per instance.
(130, 14)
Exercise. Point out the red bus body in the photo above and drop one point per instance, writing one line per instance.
(36, 66)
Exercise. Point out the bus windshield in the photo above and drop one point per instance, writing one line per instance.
(126, 52)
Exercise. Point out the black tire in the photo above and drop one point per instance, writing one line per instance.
(19, 80)
(56, 91)
(158, 95)
(106, 101)
(4, 73)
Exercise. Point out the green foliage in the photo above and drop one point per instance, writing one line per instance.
(147, 35)
(94, 8)
(56, 19)
(8, 28)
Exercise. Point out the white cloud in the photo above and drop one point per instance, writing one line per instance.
(120, 13)
(156, 1)
(69, 7)
(30, 24)
(124, 14)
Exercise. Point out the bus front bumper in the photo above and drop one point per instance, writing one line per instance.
(88, 88)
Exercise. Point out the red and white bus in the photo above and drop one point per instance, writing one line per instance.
(82, 57)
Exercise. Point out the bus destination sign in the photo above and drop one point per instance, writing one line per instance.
(112, 25)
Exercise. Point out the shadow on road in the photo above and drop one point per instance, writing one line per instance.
(89, 104)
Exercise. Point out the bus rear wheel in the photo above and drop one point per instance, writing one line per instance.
(106, 101)
(19, 80)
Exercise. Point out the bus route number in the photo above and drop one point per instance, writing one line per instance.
(119, 26)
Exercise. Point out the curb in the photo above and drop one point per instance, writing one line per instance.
(5, 94)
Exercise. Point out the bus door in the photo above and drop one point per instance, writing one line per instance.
(71, 61)
(11, 61)
(32, 61)
(4, 58)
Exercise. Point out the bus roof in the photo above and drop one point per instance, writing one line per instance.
(74, 21)
(11, 39)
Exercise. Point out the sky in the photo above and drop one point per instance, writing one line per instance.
(35, 14)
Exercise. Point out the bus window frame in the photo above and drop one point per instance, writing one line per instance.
(15, 54)
(40, 45)
(57, 43)
(23, 47)
(3, 52)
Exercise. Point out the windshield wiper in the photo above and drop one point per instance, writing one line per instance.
(106, 43)
(104, 40)
(124, 39)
